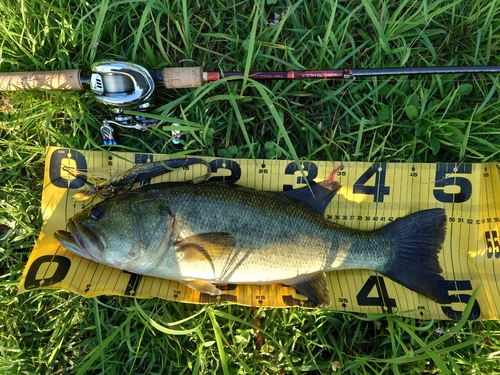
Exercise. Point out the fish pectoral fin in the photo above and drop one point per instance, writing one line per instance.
(315, 288)
(206, 246)
(202, 286)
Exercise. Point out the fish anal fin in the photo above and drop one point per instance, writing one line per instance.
(206, 246)
(315, 288)
(202, 286)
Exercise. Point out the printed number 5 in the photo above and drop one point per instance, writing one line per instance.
(492, 244)
(455, 286)
(463, 183)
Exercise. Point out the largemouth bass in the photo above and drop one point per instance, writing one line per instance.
(216, 233)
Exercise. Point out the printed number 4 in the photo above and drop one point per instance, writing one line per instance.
(379, 189)
(382, 299)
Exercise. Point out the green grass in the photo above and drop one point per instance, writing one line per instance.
(425, 119)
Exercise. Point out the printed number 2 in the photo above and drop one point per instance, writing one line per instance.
(463, 183)
(379, 189)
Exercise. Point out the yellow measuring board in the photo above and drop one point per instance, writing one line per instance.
(372, 195)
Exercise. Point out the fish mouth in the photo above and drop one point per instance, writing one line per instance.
(80, 240)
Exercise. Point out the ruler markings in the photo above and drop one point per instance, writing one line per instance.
(490, 192)
(406, 193)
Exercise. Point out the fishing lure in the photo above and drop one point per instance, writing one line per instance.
(105, 187)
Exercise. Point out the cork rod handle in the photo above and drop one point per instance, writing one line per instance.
(176, 78)
(59, 80)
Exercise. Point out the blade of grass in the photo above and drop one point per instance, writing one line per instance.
(167, 330)
(219, 340)
(251, 42)
(95, 353)
(103, 9)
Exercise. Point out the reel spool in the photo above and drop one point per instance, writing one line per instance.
(121, 85)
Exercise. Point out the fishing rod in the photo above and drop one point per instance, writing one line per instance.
(123, 85)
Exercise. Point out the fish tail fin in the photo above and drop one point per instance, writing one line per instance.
(415, 242)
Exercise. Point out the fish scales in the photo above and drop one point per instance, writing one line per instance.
(280, 240)
(212, 233)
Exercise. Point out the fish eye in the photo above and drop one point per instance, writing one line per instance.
(96, 213)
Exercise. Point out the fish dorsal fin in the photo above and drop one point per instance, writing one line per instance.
(316, 289)
(206, 246)
(202, 286)
(318, 194)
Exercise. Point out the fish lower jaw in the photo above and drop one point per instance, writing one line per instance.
(67, 240)
(89, 243)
